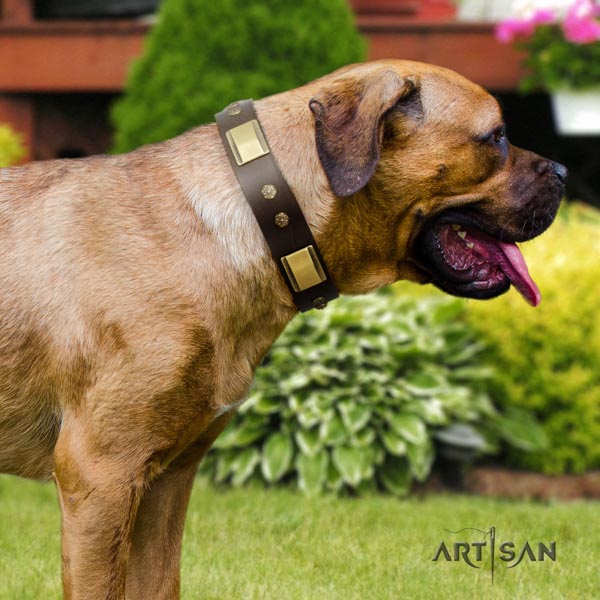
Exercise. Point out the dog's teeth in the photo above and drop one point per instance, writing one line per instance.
(470, 245)
(456, 227)
(461, 234)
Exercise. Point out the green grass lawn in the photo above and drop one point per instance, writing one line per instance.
(276, 544)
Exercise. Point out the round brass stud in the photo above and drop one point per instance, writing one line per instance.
(268, 191)
(320, 303)
(234, 109)
(281, 220)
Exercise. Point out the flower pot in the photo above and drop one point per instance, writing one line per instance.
(81, 9)
(577, 112)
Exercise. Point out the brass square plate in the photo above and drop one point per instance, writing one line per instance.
(303, 269)
(247, 142)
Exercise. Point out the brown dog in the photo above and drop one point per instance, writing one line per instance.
(137, 294)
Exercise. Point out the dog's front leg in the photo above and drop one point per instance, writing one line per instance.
(154, 560)
(99, 494)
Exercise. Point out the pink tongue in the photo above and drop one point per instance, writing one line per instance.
(516, 271)
(509, 259)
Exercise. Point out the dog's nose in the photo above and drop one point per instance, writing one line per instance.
(549, 166)
(560, 171)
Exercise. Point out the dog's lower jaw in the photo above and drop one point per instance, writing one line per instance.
(409, 271)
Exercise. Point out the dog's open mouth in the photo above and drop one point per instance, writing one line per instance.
(465, 261)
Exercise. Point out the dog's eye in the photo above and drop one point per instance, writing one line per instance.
(498, 136)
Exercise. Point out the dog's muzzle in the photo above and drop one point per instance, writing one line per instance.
(467, 253)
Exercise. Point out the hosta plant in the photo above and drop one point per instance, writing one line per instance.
(354, 396)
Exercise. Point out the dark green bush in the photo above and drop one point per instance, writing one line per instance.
(548, 359)
(354, 396)
(202, 55)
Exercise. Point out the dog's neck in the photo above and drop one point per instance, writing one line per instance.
(248, 305)
(290, 133)
(275, 207)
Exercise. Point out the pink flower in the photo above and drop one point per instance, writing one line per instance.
(580, 25)
(584, 9)
(543, 16)
(510, 29)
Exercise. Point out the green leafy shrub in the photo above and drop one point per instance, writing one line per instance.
(548, 359)
(202, 55)
(11, 146)
(353, 397)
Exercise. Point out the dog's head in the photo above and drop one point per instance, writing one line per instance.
(428, 187)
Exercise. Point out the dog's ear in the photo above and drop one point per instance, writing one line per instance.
(349, 126)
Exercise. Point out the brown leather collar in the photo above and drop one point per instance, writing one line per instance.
(275, 207)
